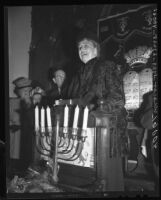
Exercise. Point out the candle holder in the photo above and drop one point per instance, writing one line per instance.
(37, 130)
(49, 130)
(65, 132)
(42, 131)
(69, 143)
(83, 135)
(59, 144)
(74, 133)
(83, 138)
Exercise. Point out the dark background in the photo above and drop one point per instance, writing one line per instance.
(54, 31)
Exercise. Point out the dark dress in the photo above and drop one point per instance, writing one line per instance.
(95, 80)
(99, 79)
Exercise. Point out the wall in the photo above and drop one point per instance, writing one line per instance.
(19, 37)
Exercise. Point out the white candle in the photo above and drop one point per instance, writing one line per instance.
(66, 112)
(36, 118)
(48, 113)
(42, 119)
(85, 118)
(76, 114)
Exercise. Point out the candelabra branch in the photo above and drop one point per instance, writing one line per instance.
(64, 141)
(67, 144)
(67, 150)
(75, 146)
(39, 147)
(41, 142)
(48, 140)
(40, 151)
(76, 154)
(60, 141)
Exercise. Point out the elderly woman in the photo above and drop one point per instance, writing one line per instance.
(97, 79)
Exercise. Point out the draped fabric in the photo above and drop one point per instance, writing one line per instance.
(121, 26)
(125, 31)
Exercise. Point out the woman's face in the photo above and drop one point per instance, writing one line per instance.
(87, 50)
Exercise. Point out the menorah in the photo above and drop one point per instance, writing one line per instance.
(85, 141)
(60, 142)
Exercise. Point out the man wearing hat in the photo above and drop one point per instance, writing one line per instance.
(97, 79)
(23, 87)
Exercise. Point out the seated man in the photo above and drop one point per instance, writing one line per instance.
(57, 78)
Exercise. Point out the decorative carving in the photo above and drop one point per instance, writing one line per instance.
(140, 54)
(148, 17)
(123, 23)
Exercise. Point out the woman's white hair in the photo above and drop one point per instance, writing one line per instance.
(95, 44)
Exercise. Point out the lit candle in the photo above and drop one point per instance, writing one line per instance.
(48, 113)
(76, 114)
(36, 118)
(42, 119)
(66, 112)
(85, 118)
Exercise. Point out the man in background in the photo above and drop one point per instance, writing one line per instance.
(23, 87)
(58, 80)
